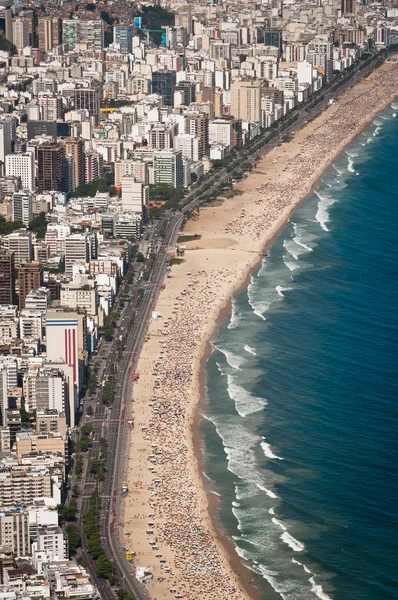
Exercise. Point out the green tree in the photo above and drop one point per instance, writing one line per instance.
(74, 538)
(7, 227)
(7, 45)
(67, 512)
(39, 225)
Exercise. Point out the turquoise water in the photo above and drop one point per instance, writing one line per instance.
(301, 415)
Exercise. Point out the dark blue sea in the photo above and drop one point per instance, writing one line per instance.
(301, 417)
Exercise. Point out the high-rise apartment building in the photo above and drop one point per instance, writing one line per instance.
(29, 278)
(69, 34)
(348, 7)
(164, 84)
(8, 134)
(197, 124)
(22, 32)
(20, 243)
(62, 342)
(50, 107)
(22, 207)
(246, 100)
(90, 32)
(168, 168)
(77, 251)
(7, 277)
(14, 532)
(50, 171)
(75, 148)
(90, 99)
(93, 166)
(50, 33)
(22, 166)
(123, 36)
(135, 196)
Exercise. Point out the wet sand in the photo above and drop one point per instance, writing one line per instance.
(167, 510)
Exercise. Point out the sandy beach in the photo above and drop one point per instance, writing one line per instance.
(167, 512)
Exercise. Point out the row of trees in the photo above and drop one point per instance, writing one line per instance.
(91, 529)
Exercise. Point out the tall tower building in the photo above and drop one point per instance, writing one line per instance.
(62, 343)
(50, 107)
(19, 242)
(246, 100)
(50, 161)
(22, 32)
(164, 84)
(123, 35)
(75, 148)
(49, 31)
(90, 99)
(29, 278)
(22, 207)
(77, 251)
(197, 124)
(348, 7)
(168, 168)
(7, 278)
(69, 34)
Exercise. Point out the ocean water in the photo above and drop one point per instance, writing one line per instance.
(300, 420)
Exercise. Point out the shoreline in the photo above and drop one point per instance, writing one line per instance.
(224, 239)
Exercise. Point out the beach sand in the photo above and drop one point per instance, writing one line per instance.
(167, 509)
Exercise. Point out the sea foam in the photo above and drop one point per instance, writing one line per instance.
(292, 542)
(250, 350)
(245, 403)
(234, 360)
(268, 452)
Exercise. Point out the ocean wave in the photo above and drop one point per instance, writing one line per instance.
(322, 214)
(234, 360)
(336, 169)
(350, 167)
(301, 237)
(306, 569)
(376, 131)
(236, 504)
(263, 269)
(268, 452)
(250, 350)
(292, 542)
(236, 315)
(369, 140)
(377, 121)
(272, 511)
(281, 289)
(394, 115)
(292, 266)
(245, 403)
(292, 248)
(317, 589)
(256, 299)
(279, 523)
(269, 493)
(394, 105)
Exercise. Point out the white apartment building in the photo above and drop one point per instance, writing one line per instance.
(220, 132)
(22, 207)
(14, 532)
(188, 145)
(77, 251)
(22, 166)
(135, 196)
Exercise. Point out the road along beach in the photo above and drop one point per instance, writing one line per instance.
(167, 514)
